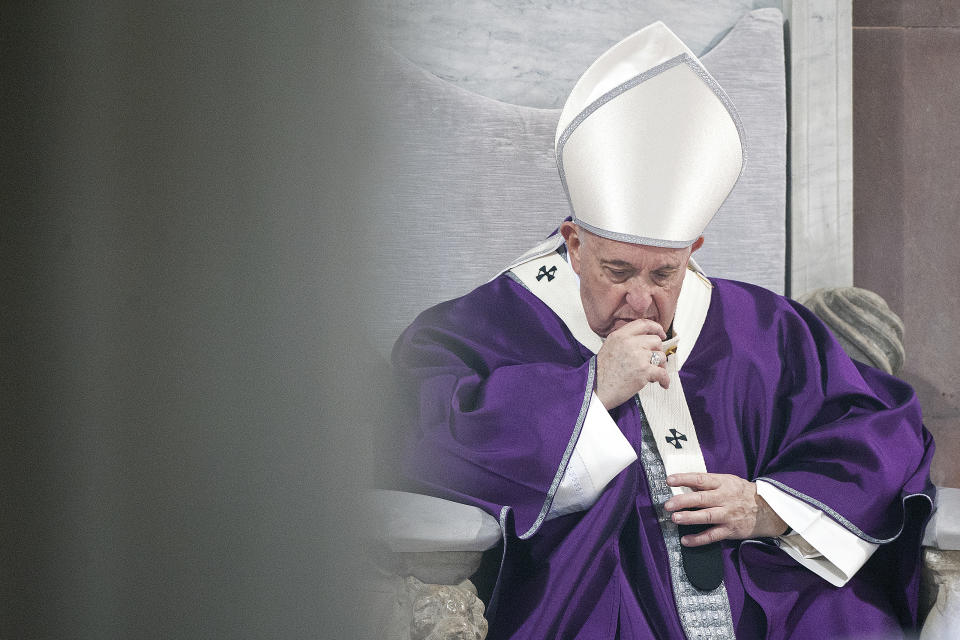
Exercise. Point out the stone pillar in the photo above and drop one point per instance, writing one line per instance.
(818, 73)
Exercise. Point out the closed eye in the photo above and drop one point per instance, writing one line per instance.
(617, 274)
(662, 276)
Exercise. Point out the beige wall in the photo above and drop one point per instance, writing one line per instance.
(906, 101)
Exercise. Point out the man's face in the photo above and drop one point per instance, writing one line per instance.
(621, 282)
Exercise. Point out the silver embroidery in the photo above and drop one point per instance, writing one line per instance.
(703, 614)
(578, 427)
(633, 239)
(854, 529)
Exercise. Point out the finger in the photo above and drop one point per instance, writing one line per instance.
(639, 345)
(658, 375)
(692, 500)
(648, 342)
(711, 535)
(698, 481)
(664, 379)
(642, 326)
(713, 515)
(644, 346)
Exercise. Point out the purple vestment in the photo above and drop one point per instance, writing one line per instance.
(501, 384)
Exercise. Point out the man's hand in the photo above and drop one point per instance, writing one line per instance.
(728, 502)
(623, 362)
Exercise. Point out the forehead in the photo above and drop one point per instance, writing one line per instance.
(637, 255)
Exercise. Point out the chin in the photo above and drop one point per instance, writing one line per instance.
(603, 332)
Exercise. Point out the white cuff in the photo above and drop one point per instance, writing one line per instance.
(817, 542)
(600, 454)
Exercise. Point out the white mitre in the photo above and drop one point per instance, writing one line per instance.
(648, 145)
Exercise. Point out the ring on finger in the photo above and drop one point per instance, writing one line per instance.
(656, 358)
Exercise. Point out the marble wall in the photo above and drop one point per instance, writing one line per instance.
(907, 193)
(507, 49)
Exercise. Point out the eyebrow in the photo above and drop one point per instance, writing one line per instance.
(626, 265)
(616, 263)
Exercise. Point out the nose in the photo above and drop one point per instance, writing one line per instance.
(639, 296)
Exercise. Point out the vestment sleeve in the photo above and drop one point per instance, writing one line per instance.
(502, 392)
(852, 441)
(836, 434)
(601, 453)
(817, 542)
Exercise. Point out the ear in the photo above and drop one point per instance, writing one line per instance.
(696, 245)
(571, 234)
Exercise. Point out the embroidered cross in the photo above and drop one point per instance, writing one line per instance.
(675, 440)
(543, 272)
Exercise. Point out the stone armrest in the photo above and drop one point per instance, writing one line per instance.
(941, 568)
(420, 552)
(435, 540)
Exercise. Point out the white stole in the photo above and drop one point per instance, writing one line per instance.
(549, 277)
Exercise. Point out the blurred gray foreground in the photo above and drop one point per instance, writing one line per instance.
(179, 434)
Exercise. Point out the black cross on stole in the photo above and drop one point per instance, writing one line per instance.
(544, 272)
(675, 440)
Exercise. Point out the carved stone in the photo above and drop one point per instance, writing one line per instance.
(941, 594)
(405, 608)
(421, 596)
(446, 612)
(418, 553)
(863, 324)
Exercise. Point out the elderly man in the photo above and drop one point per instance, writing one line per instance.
(668, 455)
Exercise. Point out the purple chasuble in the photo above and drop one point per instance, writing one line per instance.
(501, 388)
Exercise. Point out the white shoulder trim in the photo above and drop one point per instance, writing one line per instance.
(551, 278)
(547, 246)
(692, 307)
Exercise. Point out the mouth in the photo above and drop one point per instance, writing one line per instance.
(625, 319)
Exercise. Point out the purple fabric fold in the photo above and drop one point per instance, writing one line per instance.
(500, 387)
(499, 411)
